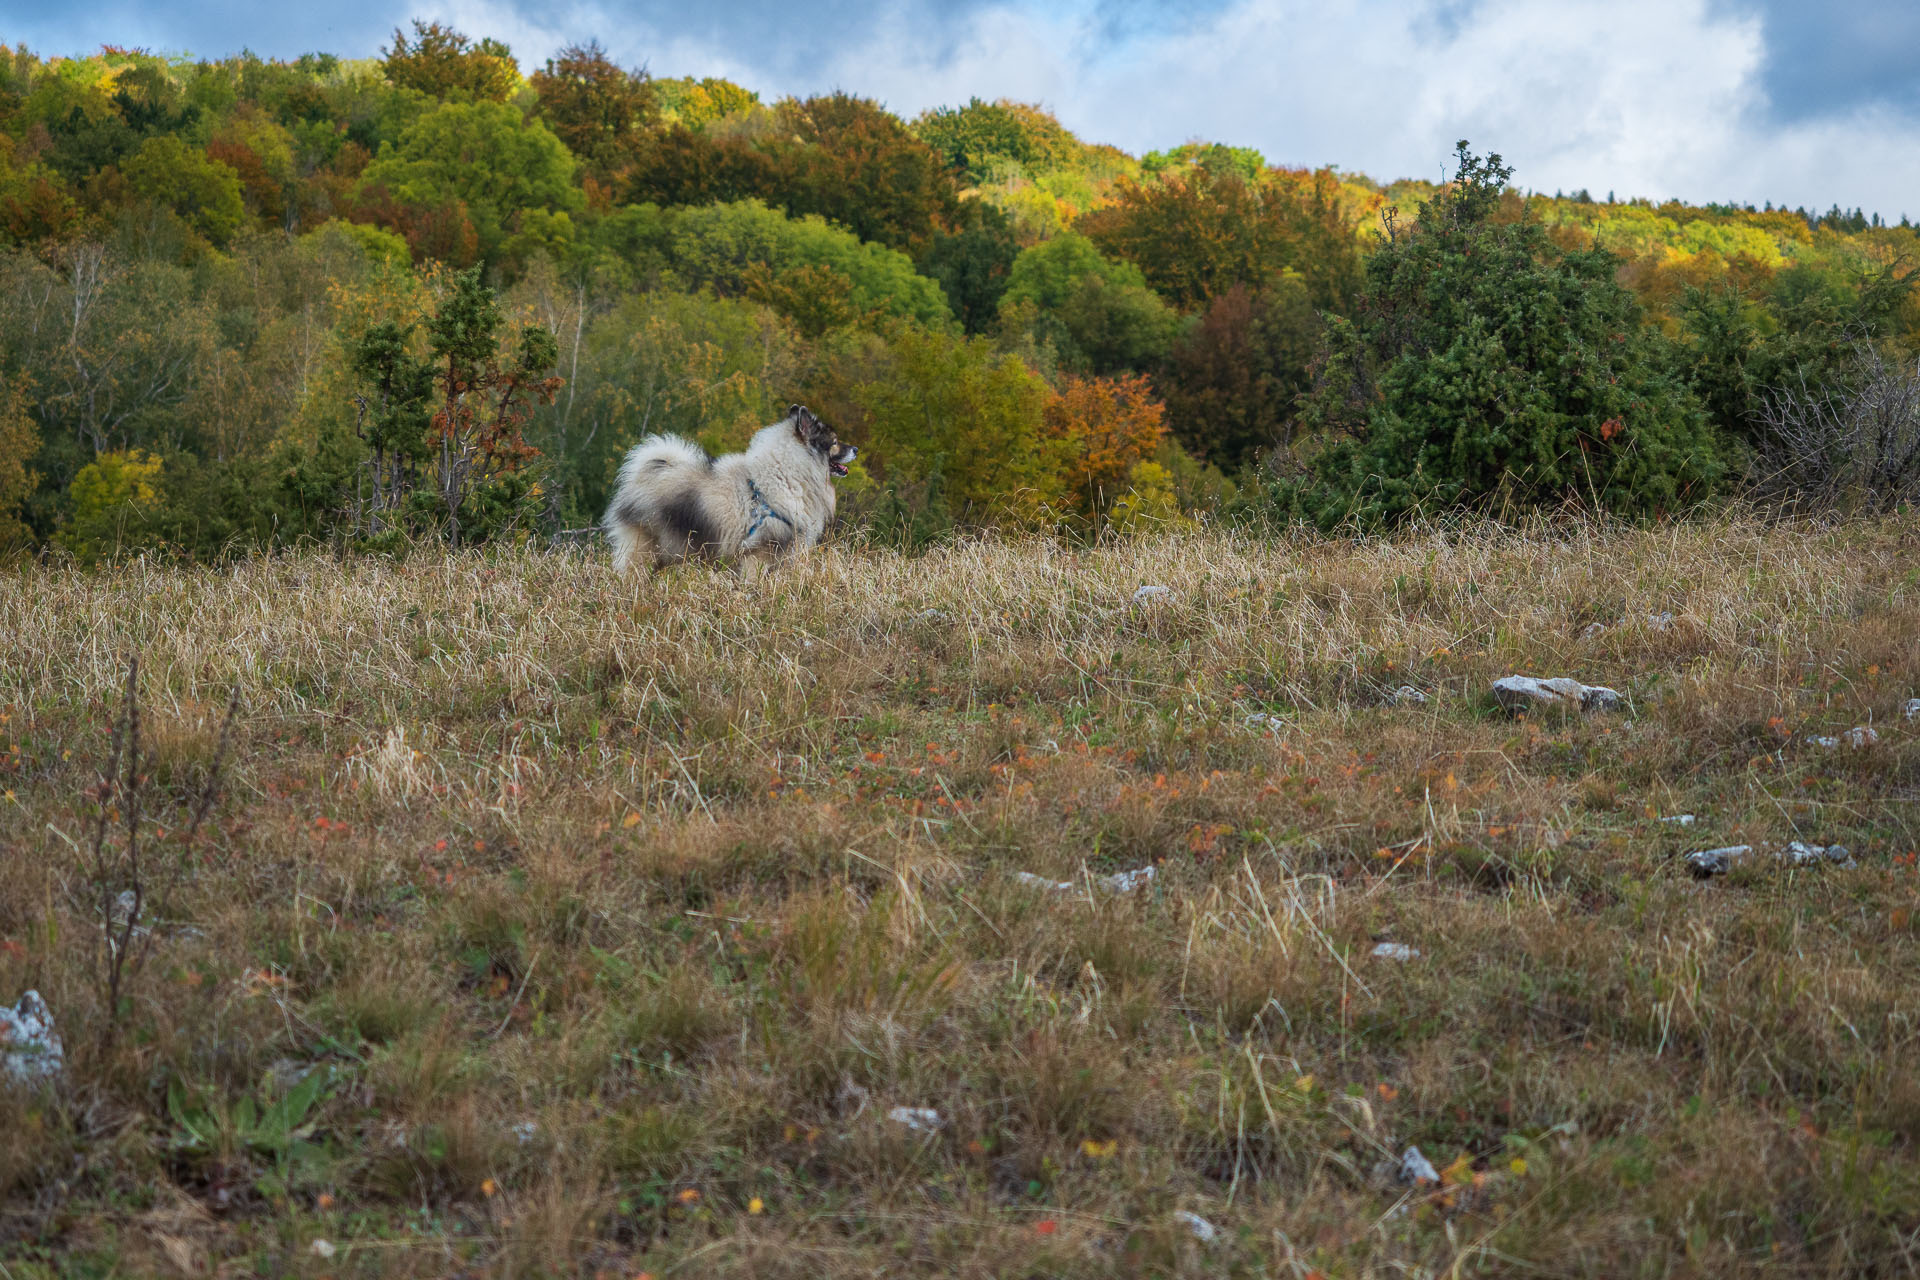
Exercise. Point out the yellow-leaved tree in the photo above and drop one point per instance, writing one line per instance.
(109, 497)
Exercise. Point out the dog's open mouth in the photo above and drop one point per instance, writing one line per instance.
(838, 468)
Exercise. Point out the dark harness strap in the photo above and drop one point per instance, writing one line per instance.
(762, 512)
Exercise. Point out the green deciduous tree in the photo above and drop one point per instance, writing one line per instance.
(482, 158)
(720, 246)
(204, 192)
(1099, 314)
(972, 264)
(971, 138)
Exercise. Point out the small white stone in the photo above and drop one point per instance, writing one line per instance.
(1117, 882)
(1714, 862)
(1801, 854)
(1265, 723)
(1203, 1231)
(1153, 595)
(1127, 881)
(1679, 820)
(1660, 622)
(1522, 693)
(1416, 1168)
(1394, 951)
(1912, 709)
(1794, 853)
(1860, 737)
(525, 1131)
(30, 1047)
(918, 1119)
(322, 1249)
(1406, 694)
(1593, 629)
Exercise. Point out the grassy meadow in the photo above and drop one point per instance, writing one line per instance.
(552, 924)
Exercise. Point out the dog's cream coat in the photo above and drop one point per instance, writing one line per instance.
(674, 502)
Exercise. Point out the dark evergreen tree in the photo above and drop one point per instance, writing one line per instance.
(1488, 367)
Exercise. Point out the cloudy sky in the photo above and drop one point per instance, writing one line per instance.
(1749, 100)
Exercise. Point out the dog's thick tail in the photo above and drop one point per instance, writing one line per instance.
(655, 463)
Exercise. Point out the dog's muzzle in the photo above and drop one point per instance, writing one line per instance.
(839, 462)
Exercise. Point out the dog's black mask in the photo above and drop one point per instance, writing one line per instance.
(819, 437)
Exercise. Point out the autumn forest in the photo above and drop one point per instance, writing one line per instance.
(235, 293)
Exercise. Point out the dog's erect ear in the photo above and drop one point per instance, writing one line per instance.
(805, 425)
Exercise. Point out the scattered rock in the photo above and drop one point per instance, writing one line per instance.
(1203, 1231)
(1118, 882)
(1126, 881)
(1526, 693)
(30, 1048)
(1714, 862)
(1912, 709)
(1416, 1168)
(525, 1132)
(1593, 629)
(1597, 697)
(1407, 695)
(1153, 595)
(1679, 820)
(918, 1119)
(1859, 738)
(1394, 951)
(1660, 622)
(322, 1249)
(1260, 720)
(1808, 855)
(939, 617)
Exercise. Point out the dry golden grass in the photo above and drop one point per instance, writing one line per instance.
(622, 916)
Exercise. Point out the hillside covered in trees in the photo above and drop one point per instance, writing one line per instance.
(248, 302)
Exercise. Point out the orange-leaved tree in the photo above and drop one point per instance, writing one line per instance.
(443, 63)
(1104, 429)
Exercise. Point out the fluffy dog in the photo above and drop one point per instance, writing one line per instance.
(674, 502)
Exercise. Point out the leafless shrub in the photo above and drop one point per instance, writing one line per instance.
(121, 875)
(1852, 444)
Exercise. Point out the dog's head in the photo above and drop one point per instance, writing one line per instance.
(819, 437)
